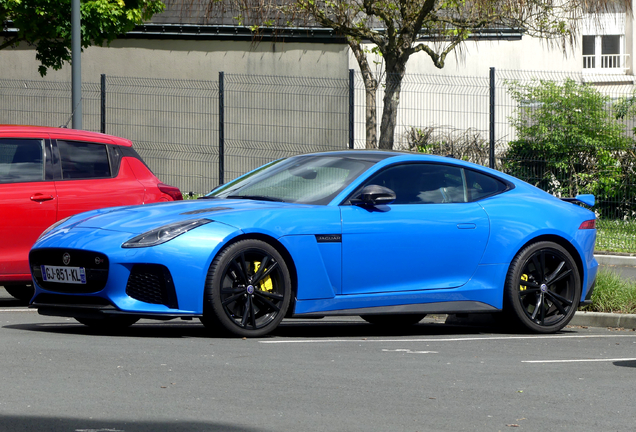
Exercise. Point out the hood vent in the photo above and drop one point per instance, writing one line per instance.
(207, 210)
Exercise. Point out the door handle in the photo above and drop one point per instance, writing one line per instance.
(466, 226)
(38, 197)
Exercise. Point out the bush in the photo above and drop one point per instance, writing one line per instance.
(569, 143)
(468, 145)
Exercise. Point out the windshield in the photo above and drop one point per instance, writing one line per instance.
(312, 179)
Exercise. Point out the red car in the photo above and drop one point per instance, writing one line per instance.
(47, 174)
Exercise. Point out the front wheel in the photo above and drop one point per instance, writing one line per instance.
(543, 287)
(248, 290)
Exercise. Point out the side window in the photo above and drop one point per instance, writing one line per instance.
(21, 160)
(423, 183)
(81, 160)
(482, 186)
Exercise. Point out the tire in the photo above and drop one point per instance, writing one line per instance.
(110, 322)
(22, 292)
(543, 288)
(397, 320)
(247, 290)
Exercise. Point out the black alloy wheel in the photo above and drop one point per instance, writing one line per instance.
(543, 287)
(248, 289)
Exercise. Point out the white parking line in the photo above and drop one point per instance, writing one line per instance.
(578, 360)
(18, 310)
(283, 341)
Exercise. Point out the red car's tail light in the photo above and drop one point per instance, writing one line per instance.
(588, 224)
(173, 191)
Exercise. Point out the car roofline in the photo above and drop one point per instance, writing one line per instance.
(59, 132)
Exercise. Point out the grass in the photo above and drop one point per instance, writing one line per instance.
(616, 236)
(613, 294)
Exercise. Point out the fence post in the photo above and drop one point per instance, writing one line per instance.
(102, 126)
(351, 106)
(492, 118)
(221, 130)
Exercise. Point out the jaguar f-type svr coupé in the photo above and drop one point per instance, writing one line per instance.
(387, 236)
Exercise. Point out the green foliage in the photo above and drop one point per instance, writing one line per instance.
(625, 107)
(569, 143)
(46, 24)
(613, 294)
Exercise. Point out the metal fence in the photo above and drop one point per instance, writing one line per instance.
(197, 134)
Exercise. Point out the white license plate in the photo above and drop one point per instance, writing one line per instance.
(74, 275)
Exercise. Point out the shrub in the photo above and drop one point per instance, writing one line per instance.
(568, 143)
(468, 145)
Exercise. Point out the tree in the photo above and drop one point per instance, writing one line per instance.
(399, 29)
(46, 25)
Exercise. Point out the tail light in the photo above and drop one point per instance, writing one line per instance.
(588, 224)
(172, 191)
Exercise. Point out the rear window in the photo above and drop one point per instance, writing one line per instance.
(21, 160)
(482, 186)
(82, 160)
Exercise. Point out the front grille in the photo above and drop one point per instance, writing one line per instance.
(152, 283)
(95, 265)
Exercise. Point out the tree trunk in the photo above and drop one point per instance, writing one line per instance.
(370, 89)
(371, 122)
(390, 110)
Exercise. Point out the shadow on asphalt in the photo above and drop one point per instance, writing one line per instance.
(55, 424)
(625, 363)
(290, 328)
(10, 302)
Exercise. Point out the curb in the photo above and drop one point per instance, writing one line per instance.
(602, 319)
(616, 260)
(581, 318)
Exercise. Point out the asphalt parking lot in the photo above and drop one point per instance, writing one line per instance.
(311, 375)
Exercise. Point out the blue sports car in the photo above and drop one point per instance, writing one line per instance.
(387, 236)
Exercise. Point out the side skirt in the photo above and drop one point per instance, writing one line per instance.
(452, 307)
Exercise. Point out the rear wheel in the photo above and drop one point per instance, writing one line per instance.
(543, 287)
(247, 291)
(110, 322)
(402, 320)
(22, 292)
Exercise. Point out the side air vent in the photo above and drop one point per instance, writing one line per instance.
(152, 283)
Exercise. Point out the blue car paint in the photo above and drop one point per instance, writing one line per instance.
(342, 276)
(413, 248)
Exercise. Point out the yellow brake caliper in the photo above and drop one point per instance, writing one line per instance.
(266, 284)
(524, 277)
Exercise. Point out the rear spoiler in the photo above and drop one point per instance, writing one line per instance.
(587, 199)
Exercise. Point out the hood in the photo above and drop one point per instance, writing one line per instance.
(139, 219)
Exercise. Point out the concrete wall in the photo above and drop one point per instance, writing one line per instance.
(200, 60)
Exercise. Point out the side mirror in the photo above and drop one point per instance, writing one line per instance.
(374, 195)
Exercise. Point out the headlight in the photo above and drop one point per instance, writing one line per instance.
(52, 227)
(163, 234)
